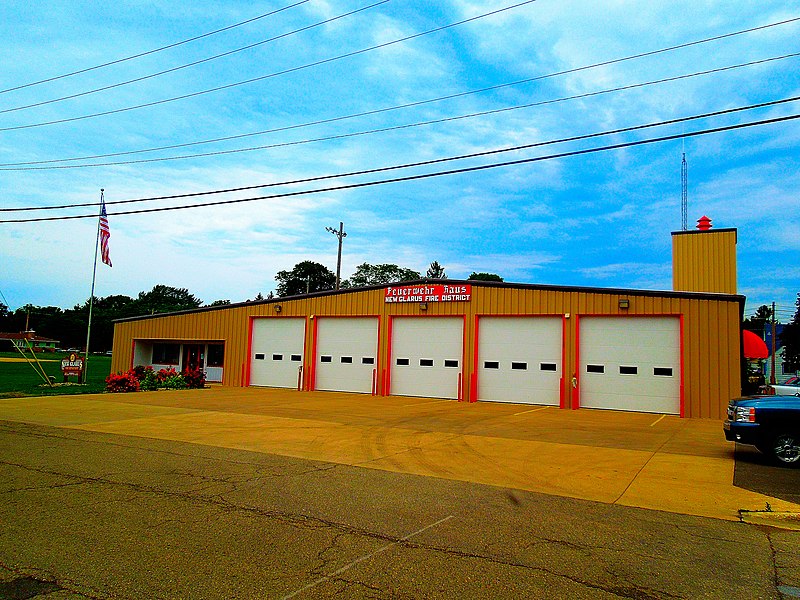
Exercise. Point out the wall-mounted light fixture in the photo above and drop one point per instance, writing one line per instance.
(423, 306)
(624, 303)
(278, 308)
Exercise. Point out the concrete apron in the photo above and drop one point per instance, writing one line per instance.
(633, 459)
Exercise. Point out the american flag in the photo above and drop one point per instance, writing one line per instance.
(105, 233)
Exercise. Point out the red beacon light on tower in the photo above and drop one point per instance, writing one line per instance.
(704, 223)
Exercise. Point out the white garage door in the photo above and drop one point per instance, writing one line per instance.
(347, 354)
(427, 354)
(630, 363)
(277, 351)
(519, 359)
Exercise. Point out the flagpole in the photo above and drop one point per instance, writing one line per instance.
(91, 296)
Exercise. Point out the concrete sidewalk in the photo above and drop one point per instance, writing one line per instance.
(632, 459)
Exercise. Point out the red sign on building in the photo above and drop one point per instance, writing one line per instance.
(429, 293)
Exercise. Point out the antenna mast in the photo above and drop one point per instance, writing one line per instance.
(684, 203)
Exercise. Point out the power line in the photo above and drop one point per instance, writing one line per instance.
(17, 167)
(195, 63)
(428, 175)
(417, 164)
(141, 54)
(269, 75)
(407, 105)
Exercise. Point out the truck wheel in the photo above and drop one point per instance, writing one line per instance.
(786, 449)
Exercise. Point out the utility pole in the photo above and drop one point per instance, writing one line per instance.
(340, 234)
(772, 350)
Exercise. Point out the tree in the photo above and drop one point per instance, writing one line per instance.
(757, 323)
(791, 338)
(484, 277)
(306, 276)
(164, 299)
(220, 303)
(367, 274)
(436, 271)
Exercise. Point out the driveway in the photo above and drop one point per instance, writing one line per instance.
(630, 459)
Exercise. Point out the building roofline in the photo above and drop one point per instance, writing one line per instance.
(712, 230)
(473, 282)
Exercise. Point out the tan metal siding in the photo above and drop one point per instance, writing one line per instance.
(711, 366)
(704, 261)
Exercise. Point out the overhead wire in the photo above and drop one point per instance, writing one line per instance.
(419, 163)
(269, 75)
(195, 63)
(15, 167)
(421, 176)
(154, 51)
(409, 104)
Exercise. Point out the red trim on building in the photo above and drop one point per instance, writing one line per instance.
(460, 384)
(576, 388)
(387, 378)
(312, 383)
(562, 395)
(247, 363)
(473, 396)
(681, 353)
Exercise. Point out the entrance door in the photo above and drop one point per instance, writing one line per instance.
(193, 356)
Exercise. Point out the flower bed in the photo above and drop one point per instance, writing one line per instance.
(147, 379)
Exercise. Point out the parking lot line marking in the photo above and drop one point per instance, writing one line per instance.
(657, 420)
(424, 403)
(530, 411)
(363, 558)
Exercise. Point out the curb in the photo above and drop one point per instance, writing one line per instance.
(782, 520)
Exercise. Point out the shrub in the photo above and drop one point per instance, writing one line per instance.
(122, 382)
(149, 382)
(164, 374)
(140, 371)
(175, 382)
(195, 378)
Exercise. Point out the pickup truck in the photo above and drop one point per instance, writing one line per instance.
(770, 423)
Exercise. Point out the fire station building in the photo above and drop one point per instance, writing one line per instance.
(668, 352)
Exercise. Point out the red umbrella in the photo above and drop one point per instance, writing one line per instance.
(754, 346)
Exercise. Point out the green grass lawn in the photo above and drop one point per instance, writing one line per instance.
(20, 379)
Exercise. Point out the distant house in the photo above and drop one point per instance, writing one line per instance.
(783, 369)
(28, 339)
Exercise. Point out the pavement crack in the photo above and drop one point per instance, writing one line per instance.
(631, 591)
(292, 519)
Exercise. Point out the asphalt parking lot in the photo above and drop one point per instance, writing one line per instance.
(227, 493)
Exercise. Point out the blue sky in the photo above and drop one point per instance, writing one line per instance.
(599, 220)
